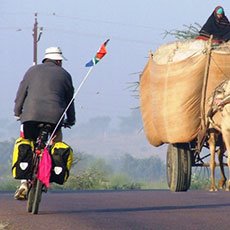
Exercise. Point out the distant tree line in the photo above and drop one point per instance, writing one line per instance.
(6, 149)
(91, 172)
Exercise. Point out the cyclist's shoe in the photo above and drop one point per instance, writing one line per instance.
(21, 192)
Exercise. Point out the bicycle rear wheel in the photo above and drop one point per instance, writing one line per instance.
(37, 196)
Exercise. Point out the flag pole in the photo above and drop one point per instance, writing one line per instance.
(75, 94)
(99, 55)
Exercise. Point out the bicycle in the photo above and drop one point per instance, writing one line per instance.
(36, 187)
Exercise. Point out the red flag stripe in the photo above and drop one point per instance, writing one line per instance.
(102, 52)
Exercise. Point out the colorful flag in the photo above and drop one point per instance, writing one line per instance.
(99, 55)
(44, 167)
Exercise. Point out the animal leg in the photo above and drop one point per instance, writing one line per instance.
(225, 127)
(222, 181)
(226, 137)
(212, 147)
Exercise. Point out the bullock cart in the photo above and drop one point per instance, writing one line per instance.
(175, 86)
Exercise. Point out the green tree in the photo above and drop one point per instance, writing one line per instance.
(142, 169)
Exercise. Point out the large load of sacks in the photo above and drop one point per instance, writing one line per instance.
(171, 87)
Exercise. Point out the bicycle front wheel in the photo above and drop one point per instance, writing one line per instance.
(37, 196)
(31, 195)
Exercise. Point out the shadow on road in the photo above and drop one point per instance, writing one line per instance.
(139, 209)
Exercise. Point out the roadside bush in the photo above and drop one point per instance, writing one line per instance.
(8, 184)
(155, 185)
(199, 182)
(90, 179)
(122, 181)
(93, 177)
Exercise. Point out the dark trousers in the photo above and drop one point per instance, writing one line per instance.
(31, 130)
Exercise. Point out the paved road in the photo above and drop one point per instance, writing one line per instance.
(150, 209)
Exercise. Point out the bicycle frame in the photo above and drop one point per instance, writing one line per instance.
(36, 187)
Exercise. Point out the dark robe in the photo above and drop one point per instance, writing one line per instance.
(219, 28)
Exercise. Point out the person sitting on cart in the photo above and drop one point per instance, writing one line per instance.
(42, 97)
(217, 25)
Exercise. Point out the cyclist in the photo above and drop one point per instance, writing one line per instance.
(42, 97)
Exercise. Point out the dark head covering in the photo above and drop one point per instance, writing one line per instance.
(219, 27)
(219, 10)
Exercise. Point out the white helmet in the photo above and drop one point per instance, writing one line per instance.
(53, 53)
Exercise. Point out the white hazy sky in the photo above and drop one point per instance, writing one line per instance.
(79, 28)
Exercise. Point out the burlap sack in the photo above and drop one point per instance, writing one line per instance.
(171, 89)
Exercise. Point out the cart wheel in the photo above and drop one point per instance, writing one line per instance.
(179, 167)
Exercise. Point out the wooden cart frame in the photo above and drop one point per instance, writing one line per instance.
(181, 157)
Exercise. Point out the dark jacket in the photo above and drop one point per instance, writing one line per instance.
(44, 93)
(219, 28)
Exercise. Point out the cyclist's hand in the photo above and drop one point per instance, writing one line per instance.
(17, 118)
